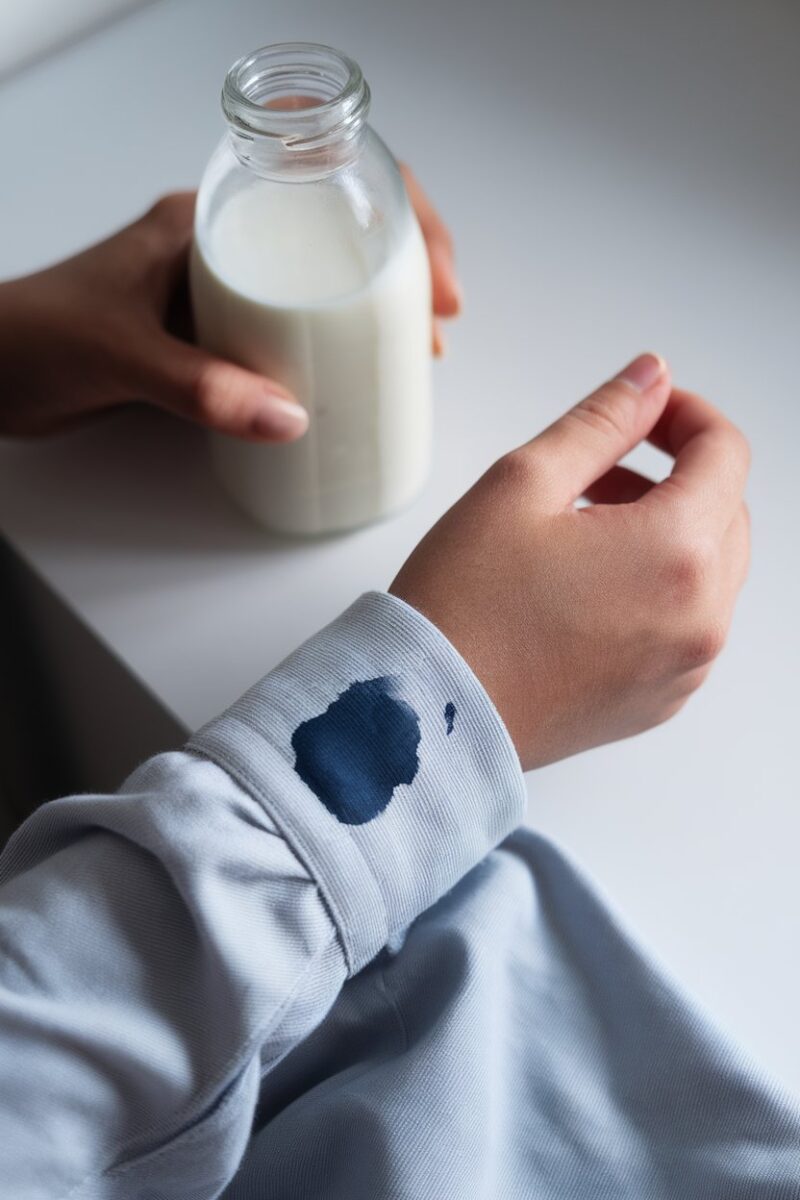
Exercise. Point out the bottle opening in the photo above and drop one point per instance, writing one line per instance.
(299, 93)
(282, 103)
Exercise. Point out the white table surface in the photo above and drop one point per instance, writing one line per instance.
(618, 177)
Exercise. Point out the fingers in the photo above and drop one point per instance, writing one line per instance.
(724, 582)
(187, 380)
(584, 444)
(620, 485)
(172, 216)
(711, 455)
(168, 225)
(158, 243)
(736, 552)
(447, 296)
(439, 343)
(219, 394)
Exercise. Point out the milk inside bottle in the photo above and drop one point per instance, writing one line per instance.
(308, 266)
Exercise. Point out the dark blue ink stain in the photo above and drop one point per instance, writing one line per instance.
(356, 753)
(450, 716)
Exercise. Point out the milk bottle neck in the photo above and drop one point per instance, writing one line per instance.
(295, 111)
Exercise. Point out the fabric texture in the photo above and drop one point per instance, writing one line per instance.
(299, 960)
(518, 1044)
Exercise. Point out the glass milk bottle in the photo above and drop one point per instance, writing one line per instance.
(308, 266)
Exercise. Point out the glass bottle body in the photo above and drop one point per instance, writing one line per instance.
(309, 267)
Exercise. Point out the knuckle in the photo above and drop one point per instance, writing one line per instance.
(688, 570)
(162, 207)
(742, 521)
(607, 411)
(514, 470)
(702, 646)
(669, 711)
(207, 392)
(743, 526)
(740, 445)
(171, 210)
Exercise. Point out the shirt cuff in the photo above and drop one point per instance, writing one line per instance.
(382, 761)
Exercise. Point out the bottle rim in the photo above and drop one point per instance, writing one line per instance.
(260, 87)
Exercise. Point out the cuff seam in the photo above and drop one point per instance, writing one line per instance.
(295, 838)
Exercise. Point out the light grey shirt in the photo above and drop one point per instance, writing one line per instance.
(308, 957)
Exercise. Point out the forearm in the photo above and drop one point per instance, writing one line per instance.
(162, 948)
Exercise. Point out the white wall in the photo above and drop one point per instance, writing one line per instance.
(30, 28)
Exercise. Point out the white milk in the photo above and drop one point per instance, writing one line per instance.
(281, 285)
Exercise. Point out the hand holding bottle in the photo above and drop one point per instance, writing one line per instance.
(588, 625)
(111, 325)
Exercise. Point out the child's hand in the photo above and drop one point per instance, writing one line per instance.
(112, 325)
(588, 625)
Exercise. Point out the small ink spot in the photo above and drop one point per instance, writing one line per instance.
(449, 716)
(359, 750)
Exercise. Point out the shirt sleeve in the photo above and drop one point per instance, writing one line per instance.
(163, 948)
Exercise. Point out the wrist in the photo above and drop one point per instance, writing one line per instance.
(382, 759)
(475, 649)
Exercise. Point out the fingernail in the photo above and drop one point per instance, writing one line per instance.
(644, 372)
(448, 290)
(280, 418)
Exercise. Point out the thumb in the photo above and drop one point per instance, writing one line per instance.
(216, 393)
(594, 435)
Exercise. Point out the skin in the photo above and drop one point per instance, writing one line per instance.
(587, 625)
(111, 326)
